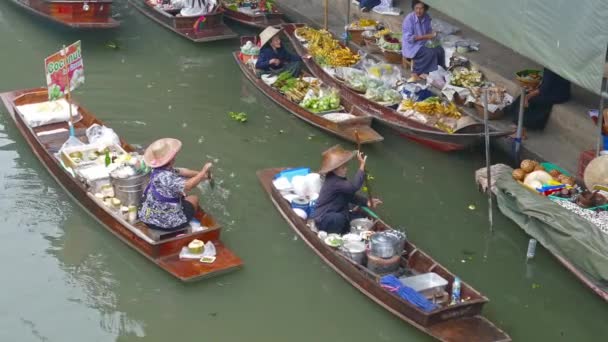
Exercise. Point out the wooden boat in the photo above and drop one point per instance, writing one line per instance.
(411, 129)
(461, 322)
(254, 19)
(73, 13)
(161, 248)
(354, 130)
(213, 27)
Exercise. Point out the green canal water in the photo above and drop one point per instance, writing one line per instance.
(67, 279)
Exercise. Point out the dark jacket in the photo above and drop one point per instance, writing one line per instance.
(267, 53)
(337, 193)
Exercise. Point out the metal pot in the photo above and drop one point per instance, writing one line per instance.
(401, 238)
(355, 250)
(384, 245)
(360, 225)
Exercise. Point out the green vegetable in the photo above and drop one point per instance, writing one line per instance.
(238, 116)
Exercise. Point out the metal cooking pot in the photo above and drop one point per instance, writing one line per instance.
(360, 225)
(401, 238)
(384, 245)
(355, 250)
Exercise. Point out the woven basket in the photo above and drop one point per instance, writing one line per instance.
(526, 82)
(491, 116)
(392, 57)
(356, 36)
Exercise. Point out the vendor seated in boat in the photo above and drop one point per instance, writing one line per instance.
(190, 8)
(274, 58)
(164, 203)
(419, 42)
(331, 212)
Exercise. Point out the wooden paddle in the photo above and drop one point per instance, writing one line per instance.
(210, 179)
(369, 189)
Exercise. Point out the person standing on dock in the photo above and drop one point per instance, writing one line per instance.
(419, 46)
(274, 58)
(331, 212)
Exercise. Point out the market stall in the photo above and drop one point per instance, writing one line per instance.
(569, 221)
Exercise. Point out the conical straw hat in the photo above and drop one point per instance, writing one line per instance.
(335, 157)
(162, 151)
(267, 34)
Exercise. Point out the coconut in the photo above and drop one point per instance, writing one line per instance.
(527, 165)
(554, 173)
(196, 246)
(519, 174)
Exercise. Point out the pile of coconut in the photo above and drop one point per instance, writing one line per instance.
(534, 175)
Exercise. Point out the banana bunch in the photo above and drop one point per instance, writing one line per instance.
(431, 106)
(382, 33)
(328, 50)
(305, 32)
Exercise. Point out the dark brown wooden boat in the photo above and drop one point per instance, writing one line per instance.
(454, 323)
(411, 129)
(213, 28)
(354, 130)
(160, 248)
(73, 13)
(257, 20)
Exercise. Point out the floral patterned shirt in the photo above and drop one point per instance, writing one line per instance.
(154, 210)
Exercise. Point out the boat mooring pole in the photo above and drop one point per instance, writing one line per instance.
(64, 52)
(326, 14)
(520, 126)
(489, 174)
(600, 117)
(347, 23)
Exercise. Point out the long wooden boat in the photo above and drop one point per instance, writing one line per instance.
(161, 248)
(73, 13)
(411, 129)
(254, 19)
(354, 130)
(461, 322)
(212, 29)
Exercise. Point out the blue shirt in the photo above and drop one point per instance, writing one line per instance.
(414, 27)
(267, 53)
(337, 193)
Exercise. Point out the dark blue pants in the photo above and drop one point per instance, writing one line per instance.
(336, 223)
(427, 60)
(369, 4)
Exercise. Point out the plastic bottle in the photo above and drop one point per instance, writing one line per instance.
(108, 160)
(455, 291)
(531, 249)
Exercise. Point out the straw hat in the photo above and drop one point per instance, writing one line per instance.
(267, 34)
(334, 157)
(162, 151)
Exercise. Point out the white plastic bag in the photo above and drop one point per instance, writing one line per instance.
(102, 135)
(438, 78)
(209, 250)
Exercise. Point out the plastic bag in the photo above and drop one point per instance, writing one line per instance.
(102, 135)
(209, 250)
(388, 73)
(438, 78)
(71, 142)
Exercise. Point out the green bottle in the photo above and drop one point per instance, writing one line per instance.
(108, 160)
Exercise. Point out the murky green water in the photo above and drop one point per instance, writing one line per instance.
(66, 279)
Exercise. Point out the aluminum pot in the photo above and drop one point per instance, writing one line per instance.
(384, 245)
(355, 250)
(401, 238)
(360, 225)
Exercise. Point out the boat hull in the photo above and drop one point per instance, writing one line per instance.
(213, 28)
(356, 130)
(164, 253)
(75, 14)
(258, 21)
(411, 129)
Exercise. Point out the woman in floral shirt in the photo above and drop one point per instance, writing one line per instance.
(165, 205)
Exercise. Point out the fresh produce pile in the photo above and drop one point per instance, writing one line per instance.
(322, 101)
(390, 42)
(360, 81)
(250, 49)
(295, 88)
(534, 175)
(431, 106)
(382, 33)
(362, 24)
(326, 50)
(384, 95)
(466, 78)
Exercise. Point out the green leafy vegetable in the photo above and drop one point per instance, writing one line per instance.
(238, 116)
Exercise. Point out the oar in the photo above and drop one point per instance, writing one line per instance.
(370, 213)
(210, 179)
(369, 190)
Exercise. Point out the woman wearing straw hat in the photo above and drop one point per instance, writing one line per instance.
(331, 212)
(274, 58)
(164, 203)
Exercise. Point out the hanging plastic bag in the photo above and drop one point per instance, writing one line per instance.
(102, 135)
(438, 78)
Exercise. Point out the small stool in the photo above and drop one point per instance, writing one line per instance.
(408, 63)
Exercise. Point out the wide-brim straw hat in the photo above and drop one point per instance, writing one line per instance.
(334, 157)
(268, 33)
(161, 152)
